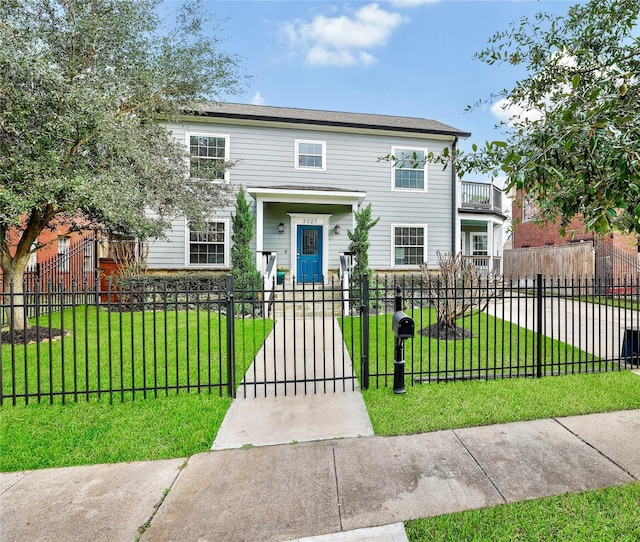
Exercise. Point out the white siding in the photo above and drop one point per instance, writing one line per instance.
(266, 158)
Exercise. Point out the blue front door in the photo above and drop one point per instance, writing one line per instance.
(309, 254)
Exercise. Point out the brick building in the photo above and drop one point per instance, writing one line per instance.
(529, 233)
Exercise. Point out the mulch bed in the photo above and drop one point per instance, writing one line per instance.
(33, 335)
(449, 333)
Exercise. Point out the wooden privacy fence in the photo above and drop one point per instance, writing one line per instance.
(576, 260)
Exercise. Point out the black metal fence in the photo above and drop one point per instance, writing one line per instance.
(78, 264)
(120, 343)
(529, 328)
(141, 339)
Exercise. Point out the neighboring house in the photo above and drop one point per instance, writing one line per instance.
(62, 256)
(307, 173)
(615, 254)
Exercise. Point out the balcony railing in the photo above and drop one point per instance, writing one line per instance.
(485, 264)
(481, 196)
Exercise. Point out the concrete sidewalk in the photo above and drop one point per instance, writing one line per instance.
(292, 491)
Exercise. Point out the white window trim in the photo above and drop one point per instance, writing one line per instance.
(529, 209)
(394, 150)
(63, 248)
(475, 235)
(227, 255)
(393, 244)
(227, 152)
(312, 142)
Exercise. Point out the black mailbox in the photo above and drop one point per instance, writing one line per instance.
(403, 326)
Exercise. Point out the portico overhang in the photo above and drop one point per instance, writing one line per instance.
(297, 194)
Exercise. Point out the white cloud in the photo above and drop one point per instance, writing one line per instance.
(512, 113)
(257, 99)
(342, 40)
(412, 3)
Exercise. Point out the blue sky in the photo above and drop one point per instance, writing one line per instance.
(410, 58)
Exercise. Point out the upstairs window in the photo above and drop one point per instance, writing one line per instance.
(209, 247)
(409, 244)
(529, 209)
(208, 155)
(409, 169)
(310, 154)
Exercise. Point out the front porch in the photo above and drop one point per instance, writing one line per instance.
(303, 231)
(481, 219)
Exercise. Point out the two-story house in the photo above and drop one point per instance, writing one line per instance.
(307, 172)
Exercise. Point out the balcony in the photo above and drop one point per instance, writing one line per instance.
(481, 197)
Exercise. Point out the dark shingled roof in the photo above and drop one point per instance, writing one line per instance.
(326, 118)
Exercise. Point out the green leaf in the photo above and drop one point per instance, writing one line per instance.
(575, 81)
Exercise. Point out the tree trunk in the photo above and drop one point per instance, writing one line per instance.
(14, 299)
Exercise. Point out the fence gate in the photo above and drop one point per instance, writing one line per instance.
(305, 352)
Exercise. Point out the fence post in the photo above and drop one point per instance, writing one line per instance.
(231, 342)
(364, 323)
(539, 321)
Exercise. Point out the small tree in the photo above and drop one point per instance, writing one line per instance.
(455, 289)
(84, 85)
(244, 271)
(571, 139)
(359, 246)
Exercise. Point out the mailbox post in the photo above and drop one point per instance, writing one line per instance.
(403, 328)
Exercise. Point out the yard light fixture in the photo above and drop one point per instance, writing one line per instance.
(336, 229)
(281, 228)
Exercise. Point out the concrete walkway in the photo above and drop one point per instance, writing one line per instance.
(312, 353)
(596, 329)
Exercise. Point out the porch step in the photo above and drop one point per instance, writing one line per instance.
(306, 300)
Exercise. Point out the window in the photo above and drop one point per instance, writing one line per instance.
(208, 247)
(409, 169)
(529, 209)
(208, 155)
(64, 244)
(33, 259)
(310, 154)
(480, 244)
(409, 245)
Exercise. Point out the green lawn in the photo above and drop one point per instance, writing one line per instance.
(39, 436)
(606, 515)
(431, 407)
(134, 354)
(497, 347)
(178, 425)
(173, 421)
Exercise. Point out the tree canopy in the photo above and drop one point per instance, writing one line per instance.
(572, 141)
(83, 86)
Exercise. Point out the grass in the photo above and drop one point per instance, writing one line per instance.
(622, 302)
(610, 514)
(606, 515)
(432, 407)
(497, 347)
(87, 432)
(472, 402)
(39, 436)
(175, 421)
(130, 353)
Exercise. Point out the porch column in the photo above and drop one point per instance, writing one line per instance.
(259, 233)
(490, 249)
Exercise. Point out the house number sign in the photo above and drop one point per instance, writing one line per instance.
(309, 221)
